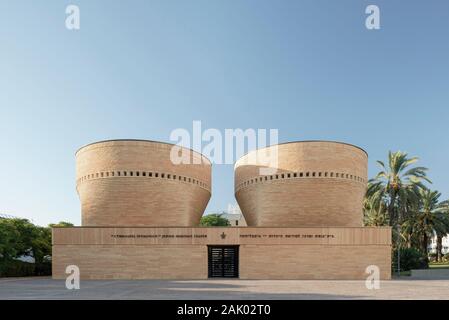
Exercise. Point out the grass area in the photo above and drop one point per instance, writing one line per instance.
(432, 265)
(439, 265)
(394, 273)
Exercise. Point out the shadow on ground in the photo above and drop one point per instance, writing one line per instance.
(47, 288)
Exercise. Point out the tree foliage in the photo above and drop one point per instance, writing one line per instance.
(397, 186)
(61, 224)
(10, 244)
(214, 220)
(410, 258)
(21, 238)
(399, 197)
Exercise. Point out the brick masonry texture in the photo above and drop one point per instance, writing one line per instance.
(326, 185)
(118, 186)
(140, 212)
(99, 255)
(311, 262)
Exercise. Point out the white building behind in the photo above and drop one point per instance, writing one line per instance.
(433, 245)
(234, 216)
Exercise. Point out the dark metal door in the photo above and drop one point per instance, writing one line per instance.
(223, 261)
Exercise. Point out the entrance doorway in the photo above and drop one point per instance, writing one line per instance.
(223, 261)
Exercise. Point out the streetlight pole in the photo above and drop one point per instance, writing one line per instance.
(398, 248)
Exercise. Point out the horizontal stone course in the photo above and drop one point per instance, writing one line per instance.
(312, 199)
(129, 253)
(110, 199)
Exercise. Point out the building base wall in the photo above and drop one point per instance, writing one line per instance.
(313, 262)
(131, 262)
(182, 253)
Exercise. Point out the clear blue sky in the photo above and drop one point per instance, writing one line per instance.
(139, 69)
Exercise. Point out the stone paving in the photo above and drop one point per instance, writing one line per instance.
(47, 288)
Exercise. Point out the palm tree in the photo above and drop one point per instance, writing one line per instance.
(374, 213)
(443, 207)
(397, 185)
(432, 218)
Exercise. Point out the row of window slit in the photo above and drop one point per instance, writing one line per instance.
(142, 174)
(301, 175)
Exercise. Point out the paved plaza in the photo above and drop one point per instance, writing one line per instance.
(47, 288)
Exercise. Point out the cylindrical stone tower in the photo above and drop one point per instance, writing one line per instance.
(317, 183)
(135, 183)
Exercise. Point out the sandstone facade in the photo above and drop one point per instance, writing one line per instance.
(181, 253)
(135, 183)
(140, 216)
(316, 183)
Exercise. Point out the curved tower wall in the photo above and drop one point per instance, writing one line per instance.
(134, 183)
(317, 183)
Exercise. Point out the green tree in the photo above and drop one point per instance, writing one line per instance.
(410, 258)
(374, 213)
(397, 185)
(444, 208)
(34, 241)
(214, 220)
(61, 224)
(41, 244)
(20, 237)
(9, 240)
(28, 232)
(431, 218)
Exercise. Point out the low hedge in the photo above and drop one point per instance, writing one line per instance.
(410, 258)
(43, 269)
(17, 268)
